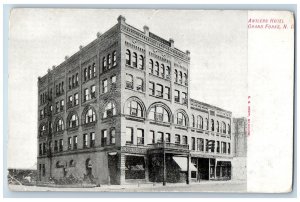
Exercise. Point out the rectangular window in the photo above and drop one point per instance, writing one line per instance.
(44, 148)
(62, 104)
(61, 144)
(57, 107)
(140, 136)
(40, 149)
(41, 113)
(73, 81)
(55, 146)
(104, 138)
(184, 98)
(69, 143)
(177, 139)
(177, 96)
(139, 84)
(224, 147)
(151, 88)
(184, 140)
(85, 143)
(218, 146)
(112, 136)
(93, 91)
(76, 100)
(159, 91)
(114, 58)
(94, 70)
(104, 86)
(193, 144)
(207, 145)
(75, 142)
(168, 137)
(76, 80)
(92, 139)
(90, 72)
(70, 101)
(159, 137)
(70, 82)
(44, 170)
(129, 81)
(85, 95)
(167, 93)
(113, 82)
(151, 137)
(229, 148)
(129, 135)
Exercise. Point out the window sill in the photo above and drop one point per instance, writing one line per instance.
(135, 118)
(132, 67)
(181, 127)
(160, 123)
(159, 77)
(138, 91)
(180, 84)
(159, 97)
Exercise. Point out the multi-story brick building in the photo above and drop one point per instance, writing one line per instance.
(120, 110)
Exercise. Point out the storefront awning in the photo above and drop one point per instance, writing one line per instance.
(182, 163)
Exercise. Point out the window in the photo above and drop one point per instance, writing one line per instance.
(41, 113)
(86, 95)
(40, 149)
(140, 84)
(104, 86)
(72, 163)
(151, 137)
(62, 104)
(57, 107)
(44, 148)
(156, 68)
(114, 58)
(134, 60)
(168, 137)
(55, 146)
(141, 62)
(167, 93)
(59, 125)
(129, 135)
(109, 61)
(159, 91)
(44, 170)
(218, 146)
(193, 121)
(223, 147)
(134, 109)
(184, 98)
(224, 127)
(70, 82)
(90, 72)
(212, 125)
(94, 70)
(160, 137)
(129, 81)
(69, 143)
(76, 100)
(112, 136)
(199, 122)
(180, 119)
(177, 139)
(151, 66)
(151, 88)
(193, 143)
(218, 126)
(104, 64)
(73, 121)
(228, 128)
(103, 138)
(184, 140)
(162, 67)
(128, 57)
(168, 72)
(140, 136)
(43, 130)
(206, 121)
(159, 113)
(92, 139)
(110, 110)
(177, 96)
(228, 148)
(75, 142)
(185, 79)
(93, 91)
(85, 74)
(113, 82)
(76, 79)
(176, 76)
(180, 77)
(85, 144)
(70, 101)
(61, 144)
(90, 116)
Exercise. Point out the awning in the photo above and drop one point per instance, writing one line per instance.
(182, 163)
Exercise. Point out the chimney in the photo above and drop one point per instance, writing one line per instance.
(146, 30)
(188, 53)
(53, 67)
(121, 19)
(80, 47)
(66, 57)
(171, 42)
(98, 34)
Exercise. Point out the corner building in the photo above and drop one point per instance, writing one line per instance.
(119, 111)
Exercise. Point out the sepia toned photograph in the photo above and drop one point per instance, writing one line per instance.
(112, 100)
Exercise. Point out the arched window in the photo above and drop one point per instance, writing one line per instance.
(104, 64)
(109, 61)
(90, 116)
(151, 66)
(176, 76)
(206, 122)
(229, 130)
(59, 125)
(185, 79)
(134, 109)
(43, 130)
(180, 77)
(114, 58)
(162, 67)
(110, 110)
(128, 57)
(157, 68)
(134, 60)
(180, 119)
(159, 113)
(218, 126)
(212, 125)
(72, 163)
(224, 127)
(141, 62)
(199, 122)
(168, 72)
(193, 121)
(73, 121)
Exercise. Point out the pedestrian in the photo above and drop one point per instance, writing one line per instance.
(198, 176)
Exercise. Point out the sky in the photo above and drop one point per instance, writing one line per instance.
(41, 38)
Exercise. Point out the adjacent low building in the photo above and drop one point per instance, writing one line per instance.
(119, 111)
